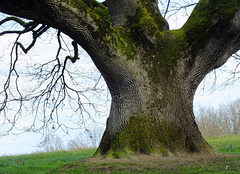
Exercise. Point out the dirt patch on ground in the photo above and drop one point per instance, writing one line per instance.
(144, 163)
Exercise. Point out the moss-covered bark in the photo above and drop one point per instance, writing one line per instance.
(153, 136)
(161, 123)
(209, 19)
(172, 64)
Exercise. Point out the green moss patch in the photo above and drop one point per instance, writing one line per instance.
(170, 46)
(147, 136)
(206, 21)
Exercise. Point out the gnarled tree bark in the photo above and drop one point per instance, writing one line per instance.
(152, 73)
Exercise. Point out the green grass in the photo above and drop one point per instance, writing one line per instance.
(41, 162)
(227, 144)
(75, 162)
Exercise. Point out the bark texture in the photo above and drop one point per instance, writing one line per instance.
(152, 72)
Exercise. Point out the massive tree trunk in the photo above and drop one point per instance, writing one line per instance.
(152, 73)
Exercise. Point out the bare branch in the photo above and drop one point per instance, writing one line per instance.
(177, 7)
(27, 26)
(36, 34)
(55, 86)
(167, 8)
(172, 7)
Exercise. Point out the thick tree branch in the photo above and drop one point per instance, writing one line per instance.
(212, 20)
(86, 16)
(152, 7)
(212, 32)
(127, 13)
(84, 21)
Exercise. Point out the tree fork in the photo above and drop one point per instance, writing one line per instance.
(160, 122)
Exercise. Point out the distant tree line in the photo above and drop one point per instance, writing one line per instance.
(212, 122)
(88, 138)
(221, 121)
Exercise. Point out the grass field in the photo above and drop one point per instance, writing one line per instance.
(79, 162)
(228, 144)
(41, 162)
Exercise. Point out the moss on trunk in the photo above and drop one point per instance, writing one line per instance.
(153, 136)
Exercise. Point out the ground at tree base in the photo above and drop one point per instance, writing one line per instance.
(219, 163)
